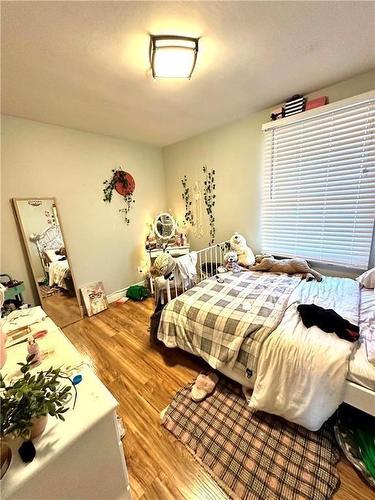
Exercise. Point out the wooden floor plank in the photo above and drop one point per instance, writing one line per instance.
(144, 378)
(62, 308)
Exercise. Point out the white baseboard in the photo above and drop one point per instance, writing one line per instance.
(119, 294)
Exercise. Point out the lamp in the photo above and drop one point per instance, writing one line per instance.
(173, 56)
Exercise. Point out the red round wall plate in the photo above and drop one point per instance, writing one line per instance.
(125, 184)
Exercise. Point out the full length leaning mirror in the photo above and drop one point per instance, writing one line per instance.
(45, 246)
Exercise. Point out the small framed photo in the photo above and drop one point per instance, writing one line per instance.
(94, 298)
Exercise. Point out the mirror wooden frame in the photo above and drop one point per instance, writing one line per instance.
(25, 241)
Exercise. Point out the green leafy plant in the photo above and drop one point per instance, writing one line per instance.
(109, 186)
(119, 176)
(209, 200)
(128, 205)
(33, 396)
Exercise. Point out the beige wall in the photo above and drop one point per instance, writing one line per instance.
(234, 151)
(46, 160)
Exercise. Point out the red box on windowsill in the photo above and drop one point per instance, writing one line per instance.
(316, 103)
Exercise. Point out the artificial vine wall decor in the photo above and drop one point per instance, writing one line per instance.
(197, 209)
(123, 183)
(193, 210)
(189, 218)
(209, 200)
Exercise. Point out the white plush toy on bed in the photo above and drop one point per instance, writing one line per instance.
(245, 254)
(231, 262)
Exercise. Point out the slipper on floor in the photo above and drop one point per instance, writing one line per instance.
(162, 414)
(204, 385)
(247, 392)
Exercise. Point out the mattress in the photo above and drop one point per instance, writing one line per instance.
(361, 371)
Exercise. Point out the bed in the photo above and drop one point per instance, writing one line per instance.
(59, 274)
(259, 345)
(49, 243)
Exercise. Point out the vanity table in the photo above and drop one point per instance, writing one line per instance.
(175, 251)
(163, 238)
(81, 457)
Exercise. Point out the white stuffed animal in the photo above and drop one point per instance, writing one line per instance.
(231, 262)
(245, 254)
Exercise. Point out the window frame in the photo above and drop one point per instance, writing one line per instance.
(307, 115)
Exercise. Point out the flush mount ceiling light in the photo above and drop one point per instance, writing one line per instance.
(173, 56)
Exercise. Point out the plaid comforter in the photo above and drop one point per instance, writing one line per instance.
(226, 323)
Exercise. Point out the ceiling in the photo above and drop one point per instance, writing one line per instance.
(85, 64)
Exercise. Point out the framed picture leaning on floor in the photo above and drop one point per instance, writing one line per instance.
(94, 298)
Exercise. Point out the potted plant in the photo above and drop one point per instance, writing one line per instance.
(27, 401)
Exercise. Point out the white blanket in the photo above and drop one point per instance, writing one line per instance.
(57, 273)
(302, 372)
(187, 265)
(185, 277)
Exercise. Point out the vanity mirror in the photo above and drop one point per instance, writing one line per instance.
(45, 246)
(164, 227)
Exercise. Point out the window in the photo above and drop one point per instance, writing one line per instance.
(319, 185)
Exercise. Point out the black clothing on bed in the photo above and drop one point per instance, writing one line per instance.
(328, 320)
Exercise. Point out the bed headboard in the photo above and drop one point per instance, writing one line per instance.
(50, 239)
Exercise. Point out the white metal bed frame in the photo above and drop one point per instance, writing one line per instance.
(175, 285)
(355, 394)
(48, 239)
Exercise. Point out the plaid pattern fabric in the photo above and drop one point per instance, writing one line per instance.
(254, 456)
(226, 323)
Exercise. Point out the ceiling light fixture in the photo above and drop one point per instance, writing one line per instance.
(173, 56)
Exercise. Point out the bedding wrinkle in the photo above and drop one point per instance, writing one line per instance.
(226, 323)
(362, 361)
(302, 371)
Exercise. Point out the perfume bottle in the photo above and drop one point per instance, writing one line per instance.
(34, 349)
(183, 240)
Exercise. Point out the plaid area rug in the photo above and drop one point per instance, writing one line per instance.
(253, 455)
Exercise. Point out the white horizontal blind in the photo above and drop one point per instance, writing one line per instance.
(319, 187)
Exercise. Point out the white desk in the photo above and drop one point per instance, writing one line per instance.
(81, 458)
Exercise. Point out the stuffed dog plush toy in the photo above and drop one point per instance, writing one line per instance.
(244, 253)
(288, 266)
(230, 262)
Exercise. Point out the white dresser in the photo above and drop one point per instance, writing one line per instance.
(81, 458)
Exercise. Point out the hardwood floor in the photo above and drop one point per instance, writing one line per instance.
(144, 379)
(62, 308)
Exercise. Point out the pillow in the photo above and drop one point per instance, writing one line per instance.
(367, 323)
(367, 279)
(51, 254)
